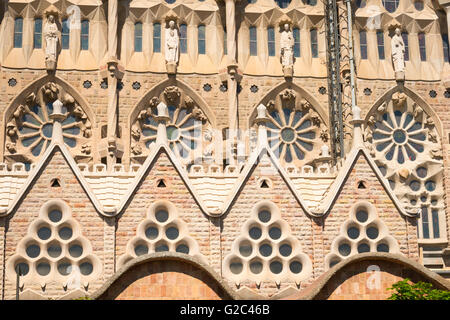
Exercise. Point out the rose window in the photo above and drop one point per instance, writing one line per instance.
(183, 131)
(35, 132)
(188, 129)
(399, 136)
(29, 130)
(291, 134)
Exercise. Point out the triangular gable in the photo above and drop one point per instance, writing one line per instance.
(248, 171)
(146, 168)
(344, 173)
(40, 167)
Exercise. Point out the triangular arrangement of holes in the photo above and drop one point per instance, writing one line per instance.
(161, 231)
(266, 250)
(363, 232)
(54, 250)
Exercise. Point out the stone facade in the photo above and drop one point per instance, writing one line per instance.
(221, 156)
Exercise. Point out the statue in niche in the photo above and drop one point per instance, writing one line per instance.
(51, 42)
(171, 47)
(287, 50)
(398, 55)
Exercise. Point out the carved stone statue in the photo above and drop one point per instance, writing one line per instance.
(398, 55)
(287, 50)
(51, 42)
(171, 46)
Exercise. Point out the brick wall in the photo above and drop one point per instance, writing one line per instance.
(367, 280)
(165, 280)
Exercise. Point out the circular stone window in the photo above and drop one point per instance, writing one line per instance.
(162, 216)
(245, 249)
(64, 268)
(372, 233)
(295, 267)
(172, 233)
(236, 267)
(22, 268)
(399, 136)
(264, 216)
(151, 233)
(255, 233)
(285, 250)
(54, 251)
(256, 267)
(362, 216)
(44, 233)
(86, 268)
(55, 215)
(141, 249)
(161, 248)
(265, 250)
(182, 248)
(275, 233)
(276, 267)
(418, 5)
(353, 233)
(363, 247)
(382, 247)
(43, 268)
(414, 185)
(422, 172)
(288, 135)
(33, 251)
(65, 233)
(75, 251)
(344, 249)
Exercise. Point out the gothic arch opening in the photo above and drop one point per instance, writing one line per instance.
(297, 125)
(189, 127)
(29, 125)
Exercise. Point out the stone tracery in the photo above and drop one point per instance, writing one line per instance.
(29, 129)
(185, 129)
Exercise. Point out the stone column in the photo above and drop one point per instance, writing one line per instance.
(57, 116)
(233, 121)
(112, 83)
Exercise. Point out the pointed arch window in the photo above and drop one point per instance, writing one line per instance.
(65, 34)
(157, 37)
(201, 39)
(296, 34)
(253, 41)
(363, 44)
(183, 38)
(37, 39)
(18, 30)
(314, 43)
(405, 41)
(271, 41)
(422, 46)
(85, 35)
(225, 44)
(138, 37)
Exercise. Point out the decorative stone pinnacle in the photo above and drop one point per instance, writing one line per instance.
(57, 116)
(161, 118)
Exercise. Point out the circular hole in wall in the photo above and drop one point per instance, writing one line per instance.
(353, 232)
(182, 248)
(236, 267)
(275, 233)
(344, 249)
(362, 215)
(43, 268)
(265, 249)
(285, 249)
(255, 233)
(414, 185)
(422, 172)
(363, 247)
(295, 267)
(55, 215)
(22, 268)
(245, 249)
(75, 250)
(54, 250)
(161, 247)
(65, 233)
(151, 233)
(430, 185)
(162, 215)
(256, 267)
(372, 232)
(64, 268)
(141, 249)
(383, 247)
(86, 268)
(33, 251)
(276, 267)
(172, 233)
(44, 233)
(264, 216)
